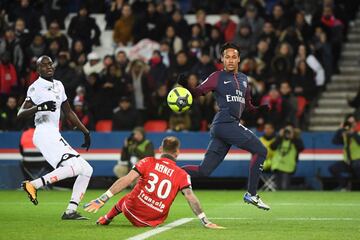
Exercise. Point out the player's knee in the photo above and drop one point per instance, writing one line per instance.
(87, 169)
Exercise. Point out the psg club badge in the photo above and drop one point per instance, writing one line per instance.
(245, 84)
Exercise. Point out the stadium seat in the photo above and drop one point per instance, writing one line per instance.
(155, 125)
(204, 126)
(301, 104)
(103, 126)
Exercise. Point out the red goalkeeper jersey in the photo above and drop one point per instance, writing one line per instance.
(156, 189)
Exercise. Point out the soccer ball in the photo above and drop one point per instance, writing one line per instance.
(179, 99)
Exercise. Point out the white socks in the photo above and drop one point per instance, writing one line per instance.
(54, 176)
(78, 192)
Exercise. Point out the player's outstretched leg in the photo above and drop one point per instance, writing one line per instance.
(84, 172)
(114, 211)
(31, 191)
(259, 154)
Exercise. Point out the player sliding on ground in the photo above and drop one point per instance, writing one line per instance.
(233, 96)
(44, 98)
(159, 182)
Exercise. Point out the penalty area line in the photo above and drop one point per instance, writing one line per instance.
(158, 230)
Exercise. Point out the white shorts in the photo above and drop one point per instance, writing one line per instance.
(52, 145)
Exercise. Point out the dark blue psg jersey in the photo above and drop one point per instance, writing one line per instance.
(232, 94)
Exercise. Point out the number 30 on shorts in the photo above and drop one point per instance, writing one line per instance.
(163, 188)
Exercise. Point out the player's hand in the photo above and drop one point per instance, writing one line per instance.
(264, 108)
(87, 141)
(94, 205)
(47, 106)
(181, 79)
(211, 225)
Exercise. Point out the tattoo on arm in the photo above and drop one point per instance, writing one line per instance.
(193, 201)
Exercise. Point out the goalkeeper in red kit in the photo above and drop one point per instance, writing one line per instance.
(160, 180)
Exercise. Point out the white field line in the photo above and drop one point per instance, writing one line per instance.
(212, 204)
(294, 219)
(158, 230)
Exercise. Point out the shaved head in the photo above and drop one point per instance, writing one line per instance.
(45, 68)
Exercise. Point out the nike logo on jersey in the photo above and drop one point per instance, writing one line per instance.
(226, 82)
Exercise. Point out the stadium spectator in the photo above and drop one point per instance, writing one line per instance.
(8, 75)
(323, 51)
(54, 33)
(263, 55)
(303, 82)
(181, 65)
(267, 139)
(278, 19)
(26, 11)
(215, 43)
(8, 115)
(158, 72)
(175, 42)
(121, 61)
(12, 46)
(269, 35)
(204, 67)
(94, 64)
(113, 13)
(289, 104)
(84, 28)
(349, 137)
(125, 116)
(123, 29)
(274, 101)
(180, 25)
(205, 28)
(22, 34)
(282, 63)
(53, 50)
(167, 56)
(303, 27)
(77, 54)
(37, 47)
(180, 121)
(139, 85)
(255, 21)
(55, 10)
(334, 28)
(30, 73)
(312, 62)
(226, 26)
(245, 39)
(150, 25)
(66, 74)
(81, 111)
(136, 147)
(287, 146)
(159, 109)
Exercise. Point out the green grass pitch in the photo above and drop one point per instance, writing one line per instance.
(293, 215)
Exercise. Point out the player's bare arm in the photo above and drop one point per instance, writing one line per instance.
(196, 208)
(118, 186)
(69, 113)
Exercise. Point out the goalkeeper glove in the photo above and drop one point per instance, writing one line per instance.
(206, 222)
(47, 106)
(96, 204)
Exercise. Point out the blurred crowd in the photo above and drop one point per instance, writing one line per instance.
(289, 50)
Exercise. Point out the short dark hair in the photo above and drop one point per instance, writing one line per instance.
(170, 144)
(229, 45)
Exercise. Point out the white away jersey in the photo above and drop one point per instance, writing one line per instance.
(42, 91)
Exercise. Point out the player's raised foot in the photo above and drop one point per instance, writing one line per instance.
(103, 221)
(256, 201)
(31, 191)
(73, 216)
